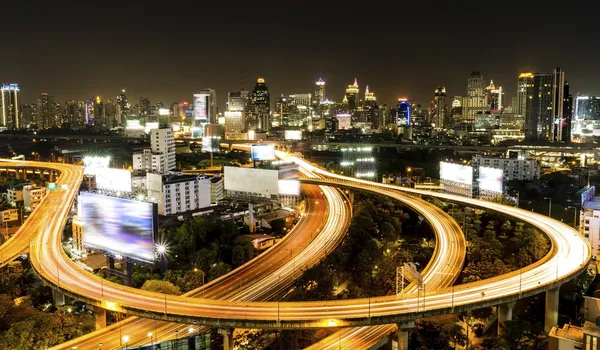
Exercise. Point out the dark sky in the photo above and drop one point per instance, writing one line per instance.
(397, 48)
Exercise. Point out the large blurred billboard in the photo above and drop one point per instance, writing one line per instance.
(211, 144)
(293, 134)
(120, 226)
(201, 107)
(289, 187)
(263, 152)
(114, 179)
(93, 164)
(252, 181)
(458, 173)
(491, 179)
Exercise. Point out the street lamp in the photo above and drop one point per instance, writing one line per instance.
(549, 206)
(518, 198)
(125, 340)
(574, 215)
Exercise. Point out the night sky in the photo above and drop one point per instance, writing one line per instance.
(398, 49)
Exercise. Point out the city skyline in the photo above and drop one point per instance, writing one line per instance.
(168, 59)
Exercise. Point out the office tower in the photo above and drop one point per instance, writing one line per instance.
(494, 97)
(123, 107)
(439, 108)
(560, 93)
(99, 113)
(205, 107)
(476, 99)
(235, 124)
(69, 114)
(567, 120)
(110, 114)
(524, 95)
(10, 106)
(90, 118)
(370, 108)
(144, 106)
(261, 103)
(403, 113)
(548, 108)
(351, 96)
(320, 91)
(587, 107)
(282, 108)
(28, 114)
(45, 111)
(238, 100)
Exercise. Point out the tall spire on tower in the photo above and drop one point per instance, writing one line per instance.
(367, 89)
(355, 82)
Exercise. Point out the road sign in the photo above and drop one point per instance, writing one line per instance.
(411, 273)
(51, 186)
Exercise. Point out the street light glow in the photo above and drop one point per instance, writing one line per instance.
(126, 338)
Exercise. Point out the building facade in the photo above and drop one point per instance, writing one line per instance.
(439, 108)
(514, 168)
(178, 193)
(10, 106)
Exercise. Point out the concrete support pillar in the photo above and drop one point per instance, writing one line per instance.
(402, 334)
(58, 298)
(504, 314)
(128, 270)
(227, 334)
(551, 318)
(99, 317)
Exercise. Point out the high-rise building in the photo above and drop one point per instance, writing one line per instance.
(10, 106)
(110, 114)
(99, 112)
(351, 96)
(439, 108)
(403, 117)
(70, 113)
(90, 117)
(567, 120)
(205, 106)
(123, 107)
(320, 91)
(45, 111)
(28, 114)
(238, 100)
(587, 107)
(235, 124)
(494, 97)
(370, 108)
(262, 104)
(160, 158)
(282, 109)
(144, 106)
(524, 99)
(548, 108)
(476, 99)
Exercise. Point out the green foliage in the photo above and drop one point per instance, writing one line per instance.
(160, 286)
(218, 270)
(428, 334)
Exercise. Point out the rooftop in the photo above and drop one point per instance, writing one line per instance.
(568, 332)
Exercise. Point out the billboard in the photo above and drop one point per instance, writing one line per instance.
(263, 152)
(260, 182)
(93, 164)
(164, 111)
(201, 107)
(462, 174)
(121, 226)
(114, 179)
(293, 134)
(289, 187)
(490, 179)
(149, 126)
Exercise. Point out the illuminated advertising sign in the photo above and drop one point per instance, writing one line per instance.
(51, 186)
(114, 179)
(201, 107)
(263, 152)
(462, 174)
(289, 187)
(490, 179)
(93, 164)
(164, 111)
(120, 226)
(10, 87)
(293, 134)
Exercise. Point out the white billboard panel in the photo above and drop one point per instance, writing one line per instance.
(201, 107)
(114, 179)
(456, 172)
(263, 152)
(293, 134)
(164, 111)
(289, 187)
(149, 126)
(490, 179)
(93, 164)
(261, 182)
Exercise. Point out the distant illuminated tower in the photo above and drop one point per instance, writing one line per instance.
(45, 111)
(494, 96)
(320, 91)
(524, 95)
(261, 101)
(99, 112)
(10, 106)
(403, 115)
(476, 99)
(352, 95)
(440, 107)
(371, 108)
(123, 107)
(144, 106)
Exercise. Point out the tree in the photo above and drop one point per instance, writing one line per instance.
(161, 287)
(428, 334)
(278, 225)
(238, 255)
(11, 278)
(218, 270)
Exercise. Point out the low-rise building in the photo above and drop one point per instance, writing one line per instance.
(514, 168)
(14, 195)
(575, 338)
(177, 193)
(32, 196)
(217, 189)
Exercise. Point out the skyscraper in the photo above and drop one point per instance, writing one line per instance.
(352, 93)
(10, 106)
(494, 97)
(28, 114)
(45, 111)
(261, 102)
(370, 108)
(476, 99)
(123, 107)
(144, 106)
(99, 112)
(440, 107)
(524, 95)
(320, 91)
(548, 108)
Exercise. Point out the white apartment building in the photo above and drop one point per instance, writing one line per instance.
(32, 197)
(160, 158)
(14, 195)
(177, 193)
(217, 189)
(514, 169)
